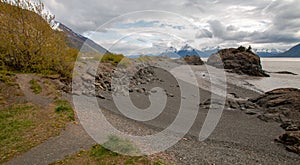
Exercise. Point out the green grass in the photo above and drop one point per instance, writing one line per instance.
(14, 123)
(64, 109)
(120, 145)
(36, 88)
(114, 59)
(99, 155)
(6, 77)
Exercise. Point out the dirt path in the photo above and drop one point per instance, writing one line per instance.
(70, 141)
(24, 82)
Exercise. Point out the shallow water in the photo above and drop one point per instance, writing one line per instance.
(278, 80)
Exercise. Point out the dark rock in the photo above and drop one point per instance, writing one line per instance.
(289, 125)
(141, 90)
(269, 117)
(285, 72)
(170, 95)
(292, 141)
(193, 60)
(238, 61)
(284, 101)
(283, 106)
(153, 91)
(98, 95)
(251, 112)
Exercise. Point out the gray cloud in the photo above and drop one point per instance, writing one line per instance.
(232, 21)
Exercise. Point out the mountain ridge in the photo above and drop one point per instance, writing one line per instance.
(292, 52)
(80, 42)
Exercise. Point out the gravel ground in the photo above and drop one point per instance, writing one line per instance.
(237, 139)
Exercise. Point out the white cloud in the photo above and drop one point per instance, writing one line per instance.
(202, 23)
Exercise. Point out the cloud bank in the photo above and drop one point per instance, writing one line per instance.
(201, 23)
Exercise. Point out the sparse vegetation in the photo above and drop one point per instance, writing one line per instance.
(114, 59)
(36, 88)
(65, 110)
(100, 155)
(15, 121)
(23, 126)
(5, 77)
(120, 145)
(143, 58)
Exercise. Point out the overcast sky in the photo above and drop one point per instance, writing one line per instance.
(140, 27)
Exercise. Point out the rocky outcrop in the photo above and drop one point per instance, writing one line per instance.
(239, 61)
(283, 106)
(193, 60)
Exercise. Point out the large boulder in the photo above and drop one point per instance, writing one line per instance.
(193, 60)
(238, 60)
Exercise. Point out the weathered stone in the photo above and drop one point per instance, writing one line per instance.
(193, 60)
(237, 61)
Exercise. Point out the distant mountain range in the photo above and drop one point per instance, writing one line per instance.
(293, 52)
(186, 50)
(206, 52)
(172, 52)
(267, 52)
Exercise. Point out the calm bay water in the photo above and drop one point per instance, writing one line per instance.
(278, 80)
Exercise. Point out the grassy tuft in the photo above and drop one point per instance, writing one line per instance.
(64, 109)
(36, 88)
(120, 145)
(99, 155)
(114, 59)
(5, 77)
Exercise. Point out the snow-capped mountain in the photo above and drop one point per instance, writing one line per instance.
(189, 50)
(35, 6)
(267, 52)
(170, 52)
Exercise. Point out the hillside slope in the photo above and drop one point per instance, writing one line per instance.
(293, 52)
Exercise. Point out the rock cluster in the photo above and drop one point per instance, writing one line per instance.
(112, 79)
(232, 104)
(279, 105)
(144, 75)
(239, 61)
(283, 106)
